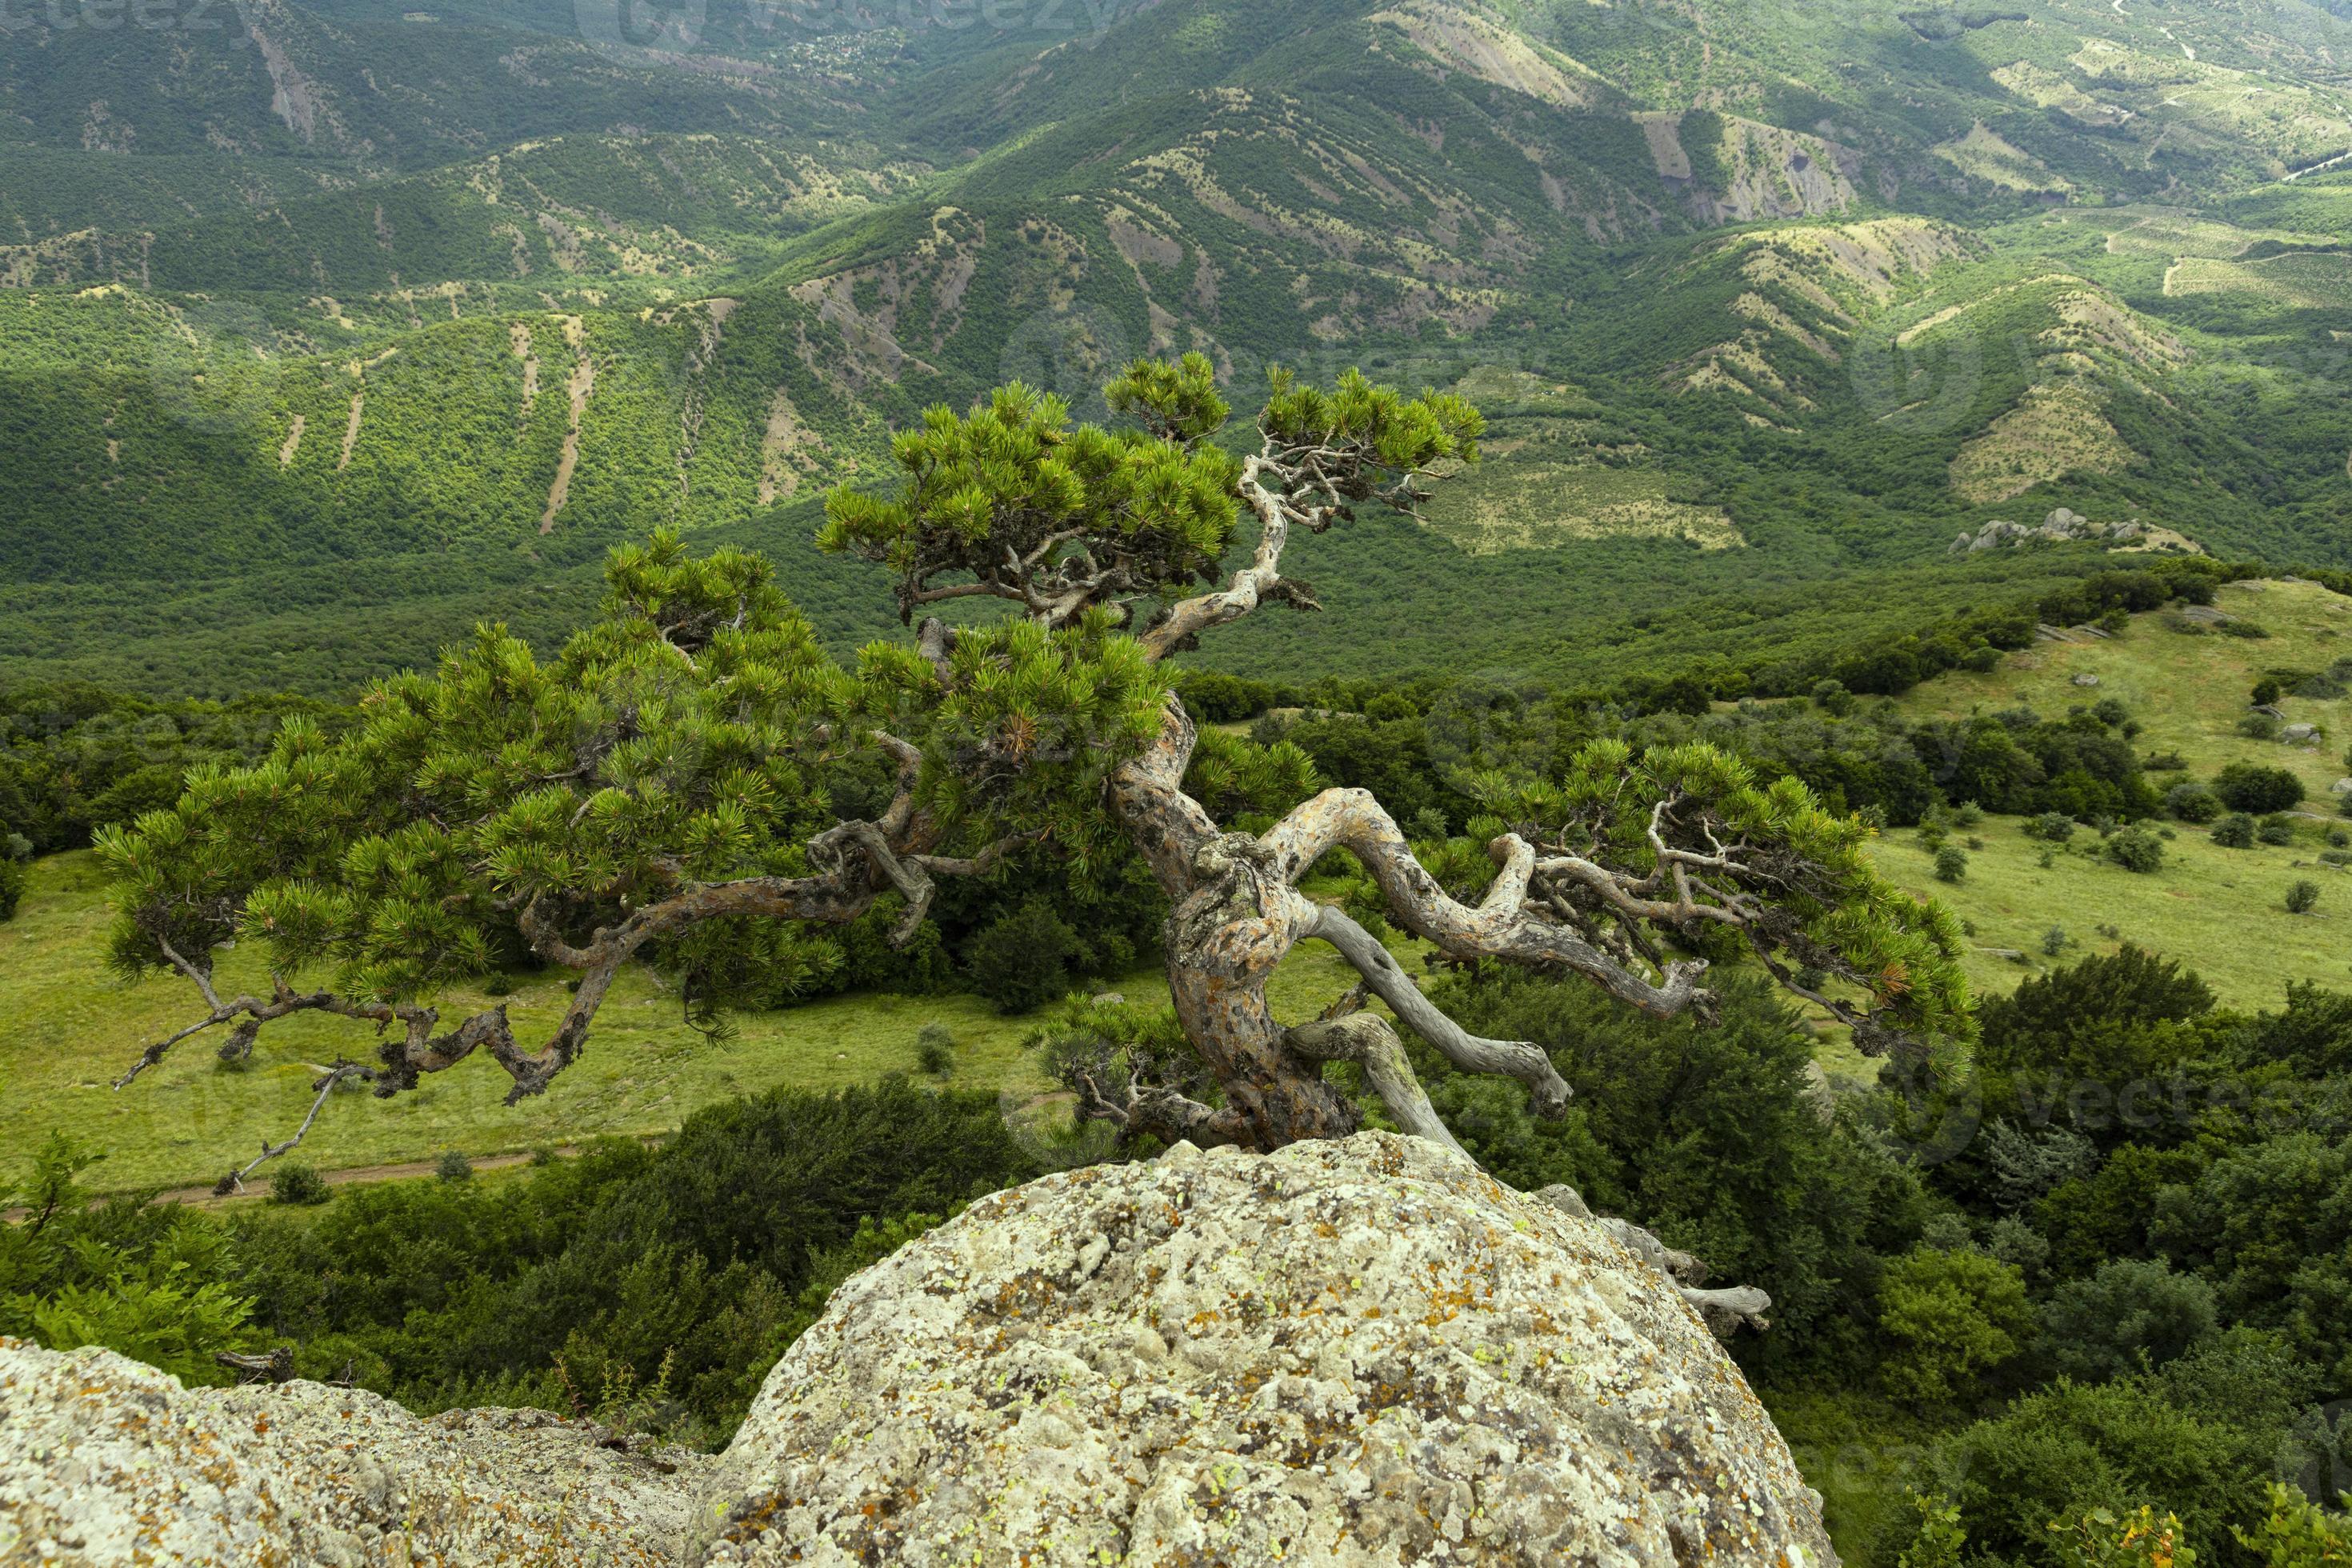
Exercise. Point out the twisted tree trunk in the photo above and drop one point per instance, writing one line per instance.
(1225, 937)
(1237, 914)
(1233, 923)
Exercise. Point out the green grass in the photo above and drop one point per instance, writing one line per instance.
(2189, 693)
(2220, 911)
(72, 1028)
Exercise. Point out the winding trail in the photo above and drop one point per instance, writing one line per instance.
(2323, 164)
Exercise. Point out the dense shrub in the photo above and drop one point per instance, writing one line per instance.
(2073, 1450)
(2132, 1315)
(2254, 789)
(2270, 1225)
(935, 1049)
(1948, 1317)
(2136, 849)
(2192, 803)
(1027, 958)
(1214, 698)
(1395, 758)
(2235, 831)
(74, 757)
(152, 1281)
(2106, 1023)
(292, 1182)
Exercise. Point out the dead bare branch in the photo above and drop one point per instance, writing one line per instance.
(1521, 1059)
(1366, 1039)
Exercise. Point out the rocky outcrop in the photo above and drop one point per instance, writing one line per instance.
(104, 1461)
(1359, 1353)
(2061, 527)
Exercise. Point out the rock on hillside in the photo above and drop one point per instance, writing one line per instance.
(1359, 1353)
(1364, 1352)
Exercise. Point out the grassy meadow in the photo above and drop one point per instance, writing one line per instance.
(2221, 911)
(2187, 690)
(72, 1028)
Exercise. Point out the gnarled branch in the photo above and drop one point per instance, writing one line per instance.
(1366, 1039)
(1521, 1059)
(857, 861)
(1504, 925)
(1139, 1108)
(1250, 586)
(1723, 1310)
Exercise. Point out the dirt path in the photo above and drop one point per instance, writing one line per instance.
(584, 383)
(2316, 168)
(204, 1197)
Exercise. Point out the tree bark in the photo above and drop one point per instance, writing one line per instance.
(1238, 912)
(1233, 923)
(1224, 939)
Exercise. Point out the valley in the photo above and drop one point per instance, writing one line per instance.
(330, 350)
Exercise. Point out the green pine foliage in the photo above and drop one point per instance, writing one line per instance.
(697, 733)
(1950, 1319)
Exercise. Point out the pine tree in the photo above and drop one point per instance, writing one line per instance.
(693, 783)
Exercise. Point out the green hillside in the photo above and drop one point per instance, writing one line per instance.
(434, 298)
(1880, 590)
(2186, 682)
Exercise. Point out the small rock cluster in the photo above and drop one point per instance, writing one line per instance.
(1353, 1354)
(2060, 526)
(105, 1461)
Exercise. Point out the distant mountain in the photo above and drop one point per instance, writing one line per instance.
(1753, 286)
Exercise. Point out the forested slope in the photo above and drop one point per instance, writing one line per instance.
(367, 323)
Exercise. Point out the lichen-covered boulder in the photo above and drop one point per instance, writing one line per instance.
(1359, 1353)
(1363, 1353)
(104, 1461)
